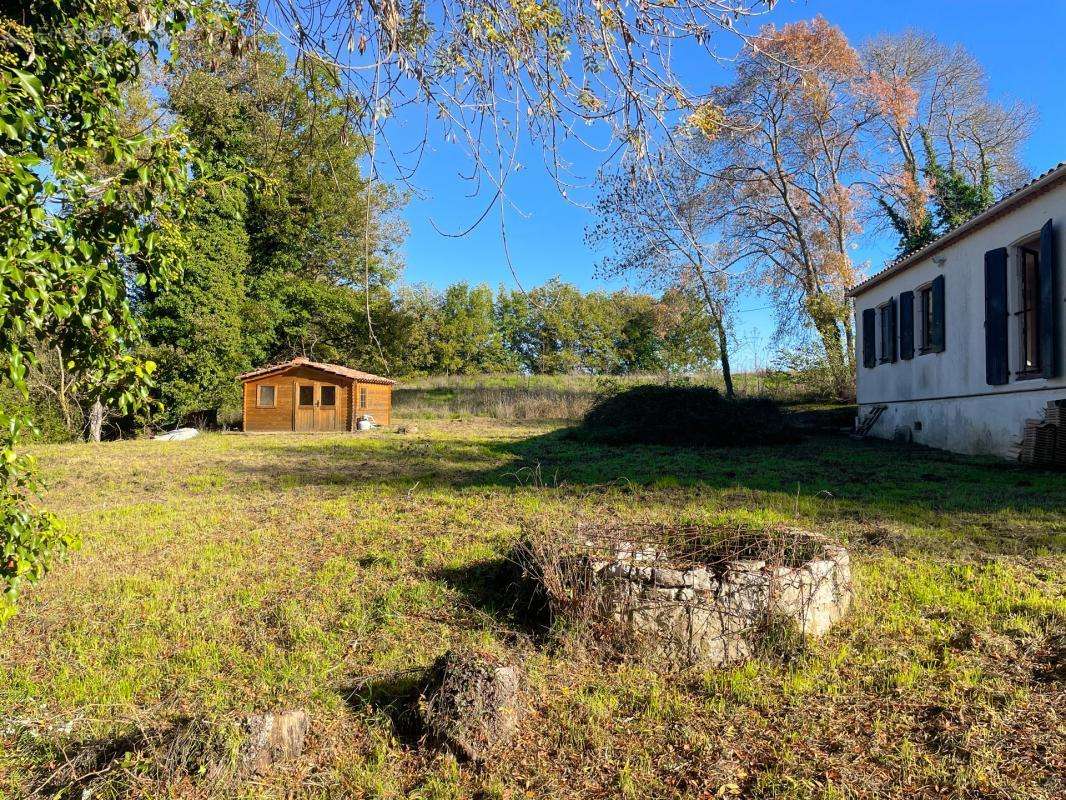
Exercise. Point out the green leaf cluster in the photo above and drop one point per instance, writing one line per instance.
(86, 213)
(954, 198)
(288, 243)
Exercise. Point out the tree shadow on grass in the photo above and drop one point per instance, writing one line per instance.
(394, 696)
(498, 589)
(876, 482)
(110, 765)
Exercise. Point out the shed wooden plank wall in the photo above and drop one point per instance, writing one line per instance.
(378, 402)
(280, 417)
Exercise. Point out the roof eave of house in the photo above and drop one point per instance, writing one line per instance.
(1033, 189)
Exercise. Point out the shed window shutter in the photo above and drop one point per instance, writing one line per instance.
(938, 330)
(906, 326)
(996, 369)
(1049, 312)
(869, 338)
(892, 345)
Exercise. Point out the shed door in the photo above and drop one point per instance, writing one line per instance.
(305, 406)
(326, 412)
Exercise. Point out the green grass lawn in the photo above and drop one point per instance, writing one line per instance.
(232, 573)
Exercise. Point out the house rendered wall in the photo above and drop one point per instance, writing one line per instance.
(947, 392)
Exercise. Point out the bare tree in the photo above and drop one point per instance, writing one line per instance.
(788, 169)
(657, 219)
(924, 88)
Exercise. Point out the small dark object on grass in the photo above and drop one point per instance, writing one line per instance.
(685, 415)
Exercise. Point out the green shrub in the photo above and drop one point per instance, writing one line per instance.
(43, 410)
(684, 415)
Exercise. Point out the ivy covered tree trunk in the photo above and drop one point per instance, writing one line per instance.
(825, 315)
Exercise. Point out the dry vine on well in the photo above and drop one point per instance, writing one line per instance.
(689, 594)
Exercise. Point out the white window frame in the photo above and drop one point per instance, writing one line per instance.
(259, 395)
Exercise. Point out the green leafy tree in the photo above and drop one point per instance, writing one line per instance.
(638, 345)
(515, 313)
(689, 344)
(196, 329)
(468, 340)
(302, 251)
(72, 240)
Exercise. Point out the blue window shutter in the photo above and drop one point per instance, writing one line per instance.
(1049, 308)
(893, 345)
(869, 338)
(938, 330)
(996, 364)
(906, 326)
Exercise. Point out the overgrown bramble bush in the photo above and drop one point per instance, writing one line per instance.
(684, 415)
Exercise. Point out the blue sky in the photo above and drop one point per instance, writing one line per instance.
(1018, 41)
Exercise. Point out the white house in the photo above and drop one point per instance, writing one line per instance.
(961, 342)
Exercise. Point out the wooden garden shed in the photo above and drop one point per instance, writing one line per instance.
(305, 395)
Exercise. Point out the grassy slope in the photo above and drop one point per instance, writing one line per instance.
(540, 397)
(231, 572)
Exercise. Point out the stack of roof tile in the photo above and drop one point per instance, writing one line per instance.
(1044, 440)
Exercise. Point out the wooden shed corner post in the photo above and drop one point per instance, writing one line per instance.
(353, 387)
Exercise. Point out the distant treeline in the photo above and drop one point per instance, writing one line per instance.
(552, 329)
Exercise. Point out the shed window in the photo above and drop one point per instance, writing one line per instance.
(1029, 313)
(362, 398)
(307, 395)
(265, 396)
(329, 395)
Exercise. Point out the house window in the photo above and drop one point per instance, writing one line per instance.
(1029, 313)
(925, 307)
(887, 343)
(328, 395)
(362, 398)
(265, 396)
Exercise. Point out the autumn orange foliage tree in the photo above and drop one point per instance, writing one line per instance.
(937, 123)
(789, 171)
(810, 147)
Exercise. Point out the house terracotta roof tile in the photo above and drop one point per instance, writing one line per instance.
(336, 369)
(1022, 194)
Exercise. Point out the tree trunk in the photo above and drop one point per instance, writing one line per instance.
(723, 352)
(828, 327)
(849, 338)
(716, 311)
(96, 421)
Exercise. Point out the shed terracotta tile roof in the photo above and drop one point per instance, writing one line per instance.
(1034, 188)
(336, 369)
